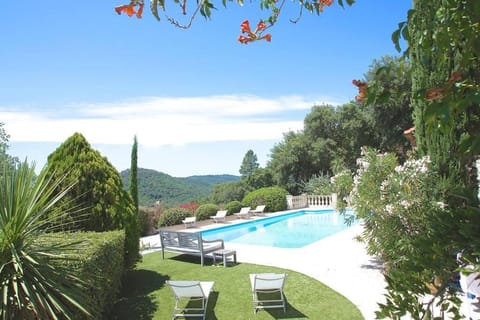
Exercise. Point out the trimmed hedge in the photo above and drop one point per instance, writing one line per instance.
(173, 216)
(99, 262)
(273, 197)
(233, 206)
(205, 211)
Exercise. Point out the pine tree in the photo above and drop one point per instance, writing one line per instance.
(249, 164)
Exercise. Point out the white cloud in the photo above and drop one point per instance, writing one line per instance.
(163, 121)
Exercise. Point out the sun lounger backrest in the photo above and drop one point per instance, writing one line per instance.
(269, 281)
(186, 288)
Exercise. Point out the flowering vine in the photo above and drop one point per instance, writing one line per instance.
(362, 90)
(135, 7)
(130, 9)
(249, 36)
(440, 92)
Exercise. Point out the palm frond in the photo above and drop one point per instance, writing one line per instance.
(33, 285)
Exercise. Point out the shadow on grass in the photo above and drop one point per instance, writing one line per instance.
(136, 301)
(207, 262)
(192, 259)
(212, 301)
(291, 312)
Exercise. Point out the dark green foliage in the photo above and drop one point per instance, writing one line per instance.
(229, 191)
(291, 161)
(249, 164)
(442, 124)
(205, 211)
(173, 216)
(319, 185)
(97, 186)
(273, 197)
(100, 264)
(388, 105)
(156, 186)
(260, 178)
(133, 176)
(233, 207)
(333, 136)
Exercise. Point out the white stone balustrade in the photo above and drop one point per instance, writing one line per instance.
(312, 201)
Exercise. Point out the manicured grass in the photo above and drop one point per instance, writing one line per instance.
(145, 295)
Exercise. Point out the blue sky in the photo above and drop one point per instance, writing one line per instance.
(197, 99)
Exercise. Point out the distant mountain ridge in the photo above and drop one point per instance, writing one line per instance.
(156, 186)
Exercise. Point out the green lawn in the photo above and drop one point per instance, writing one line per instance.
(145, 295)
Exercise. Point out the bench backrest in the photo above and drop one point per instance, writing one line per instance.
(177, 239)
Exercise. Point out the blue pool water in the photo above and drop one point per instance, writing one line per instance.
(292, 230)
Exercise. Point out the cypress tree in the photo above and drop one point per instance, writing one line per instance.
(133, 174)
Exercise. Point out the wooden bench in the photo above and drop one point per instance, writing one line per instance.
(188, 243)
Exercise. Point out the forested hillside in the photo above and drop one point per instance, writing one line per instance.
(157, 186)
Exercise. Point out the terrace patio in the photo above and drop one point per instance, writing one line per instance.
(338, 261)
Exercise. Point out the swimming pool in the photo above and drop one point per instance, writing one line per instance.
(291, 230)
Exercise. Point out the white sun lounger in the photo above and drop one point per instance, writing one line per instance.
(189, 221)
(186, 291)
(267, 291)
(258, 210)
(221, 215)
(244, 212)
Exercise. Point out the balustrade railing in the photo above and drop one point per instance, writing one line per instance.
(312, 201)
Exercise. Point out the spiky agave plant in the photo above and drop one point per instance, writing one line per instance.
(33, 282)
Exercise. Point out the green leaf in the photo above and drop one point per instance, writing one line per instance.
(396, 36)
(154, 7)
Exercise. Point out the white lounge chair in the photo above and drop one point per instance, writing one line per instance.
(221, 215)
(267, 291)
(258, 210)
(189, 221)
(244, 212)
(189, 291)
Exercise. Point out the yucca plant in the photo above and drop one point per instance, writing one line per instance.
(34, 281)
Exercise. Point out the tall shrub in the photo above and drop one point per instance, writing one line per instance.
(233, 207)
(274, 198)
(173, 216)
(97, 185)
(205, 211)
